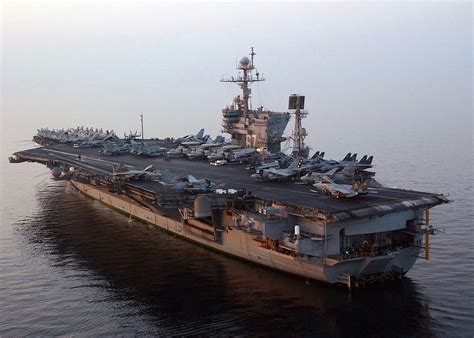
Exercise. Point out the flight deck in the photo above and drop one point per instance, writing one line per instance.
(234, 176)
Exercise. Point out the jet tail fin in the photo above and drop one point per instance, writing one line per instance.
(348, 157)
(200, 134)
(354, 157)
(219, 139)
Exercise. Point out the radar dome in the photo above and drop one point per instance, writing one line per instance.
(244, 61)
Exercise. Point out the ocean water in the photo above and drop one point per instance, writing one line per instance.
(70, 265)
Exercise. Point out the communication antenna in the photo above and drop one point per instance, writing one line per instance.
(245, 78)
(141, 119)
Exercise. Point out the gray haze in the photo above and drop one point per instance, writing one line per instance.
(367, 69)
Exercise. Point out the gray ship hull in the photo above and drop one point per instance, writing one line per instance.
(242, 244)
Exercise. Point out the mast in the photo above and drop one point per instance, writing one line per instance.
(256, 128)
(245, 79)
(296, 102)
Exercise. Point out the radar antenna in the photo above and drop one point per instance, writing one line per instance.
(245, 79)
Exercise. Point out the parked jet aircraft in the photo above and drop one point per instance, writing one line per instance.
(188, 183)
(267, 165)
(365, 162)
(123, 172)
(240, 154)
(341, 190)
(77, 135)
(299, 166)
(202, 150)
(222, 152)
(312, 177)
(143, 149)
(317, 155)
(347, 171)
(132, 136)
(192, 138)
(89, 144)
(112, 148)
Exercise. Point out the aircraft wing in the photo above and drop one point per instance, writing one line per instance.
(331, 172)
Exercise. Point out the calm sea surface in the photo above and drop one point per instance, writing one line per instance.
(69, 265)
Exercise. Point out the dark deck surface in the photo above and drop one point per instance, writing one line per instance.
(237, 177)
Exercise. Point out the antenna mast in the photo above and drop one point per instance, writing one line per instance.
(245, 79)
(296, 103)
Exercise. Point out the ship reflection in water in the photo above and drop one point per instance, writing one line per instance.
(119, 276)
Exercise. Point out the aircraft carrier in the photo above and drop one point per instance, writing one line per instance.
(320, 219)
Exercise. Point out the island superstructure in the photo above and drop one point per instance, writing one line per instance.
(257, 128)
(320, 219)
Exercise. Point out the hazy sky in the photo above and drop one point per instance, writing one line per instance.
(365, 68)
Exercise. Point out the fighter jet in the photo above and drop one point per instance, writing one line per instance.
(79, 136)
(365, 162)
(89, 144)
(340, 190)
(153, 151)
(318, 155)
(339, 174)
(194, 184)
(131, 136)
(267, 165)
(188, 183)
(219, 139)
(184, 149)
(312, 177)
(298, 166)
(192, 138)
(176, 152)
(202, 150)
(347, 171)
(195, 154)
(123, 172)
(215, 155)
(143, 149)
(112, 148)
(222, 153)
(241, 154)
